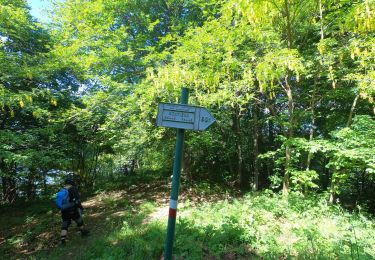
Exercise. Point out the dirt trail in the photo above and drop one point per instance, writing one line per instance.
(40, 231)
(43, 229)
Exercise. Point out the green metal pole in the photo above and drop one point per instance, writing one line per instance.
(175, 183)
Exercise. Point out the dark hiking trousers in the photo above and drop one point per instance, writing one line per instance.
(69, 215)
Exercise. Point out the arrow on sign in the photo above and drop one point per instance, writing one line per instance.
(184, 117)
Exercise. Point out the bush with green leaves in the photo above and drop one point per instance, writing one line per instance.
(270, 226)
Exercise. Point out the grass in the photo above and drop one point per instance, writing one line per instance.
(130, 223)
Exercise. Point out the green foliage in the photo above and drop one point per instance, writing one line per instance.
(304, 179)
(354, 146)
(276, 65)
(282, 78)
(273, 228)
(132, 224)
(290, 83)
(30, 102)
(255, 65)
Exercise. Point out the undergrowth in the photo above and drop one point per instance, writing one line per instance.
(269, 226)
(254, 226)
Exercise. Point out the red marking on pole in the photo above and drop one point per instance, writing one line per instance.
(172, 213)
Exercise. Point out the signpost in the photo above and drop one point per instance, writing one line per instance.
(180, 116)
(184, 117)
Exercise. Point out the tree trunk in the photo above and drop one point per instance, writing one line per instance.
(288, 24)
(311, 134)
(30, 192)
(45, 182)
(94, 169)
(321, 20)
(333, 194)
(288, 151)
(256, 148)
(289, 132)
(9, 189)
(287, 168)
(243, 180)
(311, 137)
(3, 120)
(352, 111)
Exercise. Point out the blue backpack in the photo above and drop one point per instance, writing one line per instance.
(62, 199)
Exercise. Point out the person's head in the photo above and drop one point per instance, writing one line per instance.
(69, 181)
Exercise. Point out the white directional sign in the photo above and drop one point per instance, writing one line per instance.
(184, 116)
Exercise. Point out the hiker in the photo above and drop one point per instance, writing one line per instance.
(67, 200)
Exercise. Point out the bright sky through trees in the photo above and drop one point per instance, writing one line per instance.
(39, 9)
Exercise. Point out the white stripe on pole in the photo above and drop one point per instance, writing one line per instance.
(173, 204)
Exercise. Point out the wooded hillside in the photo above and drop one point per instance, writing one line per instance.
(290, 82)
(287, 171)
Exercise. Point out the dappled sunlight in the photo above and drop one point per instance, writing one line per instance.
(103, 197)
(95, 215)
(119, 213)
(90, 203)
(208, 227)
(158, 214)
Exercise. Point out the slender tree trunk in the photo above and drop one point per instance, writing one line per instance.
(311, 134)
(230, 164)
(311, 137)
(4, 182)
(321, 20)
(82, 167)
(94, 169)
(288, 149)
(83, 164)
(352, 111)
(30, 185)
(287, 170)
(271, 136)
(44, 181)
(326, 175)
(333, 194)
(288, 90)
(271, 140)
(256, 148)
(290, 108)
(240, 169)
(9, 183)
(226, 137)
(243, 181)
(3, 121)
(288, 23)
(132, 166)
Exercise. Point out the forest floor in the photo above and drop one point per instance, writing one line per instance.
(32, 231)
(129, 222)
